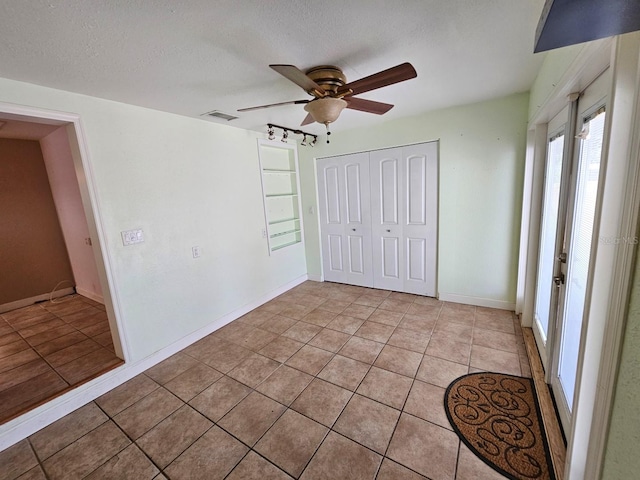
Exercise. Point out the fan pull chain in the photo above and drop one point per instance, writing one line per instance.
(328, 132)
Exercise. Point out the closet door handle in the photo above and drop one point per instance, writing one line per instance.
(353, 229)
(388, 231)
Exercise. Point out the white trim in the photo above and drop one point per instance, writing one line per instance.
(621, 275)
(25, 302)
(477, 301)
(90, 295)
(34, 420)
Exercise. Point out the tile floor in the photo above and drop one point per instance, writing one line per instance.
(47, 348)
(324, 382)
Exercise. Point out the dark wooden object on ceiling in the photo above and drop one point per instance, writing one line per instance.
(567, 22)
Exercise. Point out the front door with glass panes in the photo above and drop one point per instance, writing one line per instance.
(567, 239)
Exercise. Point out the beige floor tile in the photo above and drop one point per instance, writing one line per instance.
(368, 422)
(125, 395)
(345, 324)
(253, 338)
(375, 331)
(322, 401)
(385, 387)
(256, 317)
(291, 442)
(129, 463)
(281, 349)
(390, 470)
(171, 368)
(146, 413)
(494, 339)
(16, 460)
(254, 467)
(341, 458)
(253, 370)
(394, 305)
(369, 300)
(440, 372)
(399, 360)
(330, 340)
(456, 331)
(211, 457)
(361, 349)
(87, 453)
(448, 348)
(460, 318)
(285, 384)
(493, 360)
(426, 310)
(344, 372)
(302, 332)
(67, 430)
(278, 324)
(253, 416)
(358, 311)
(451, 307)
(424, 447)
(419, 323)
(295, 311)
(310, 359)
(500, 322)
(386, 317)
(409, 340)
(215, 401)
(319, 317)
(164, 442)
(335, 306)
(470, 467)
(190, 383)
(427, 402)
(223, 357)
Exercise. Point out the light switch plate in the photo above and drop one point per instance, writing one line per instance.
(130, 237)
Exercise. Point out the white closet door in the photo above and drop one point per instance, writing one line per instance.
(387, 170)
(343, 190)
(420, 217)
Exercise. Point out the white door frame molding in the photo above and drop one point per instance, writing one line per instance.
(617, 219)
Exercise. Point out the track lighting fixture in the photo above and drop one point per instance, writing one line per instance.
(285, 135)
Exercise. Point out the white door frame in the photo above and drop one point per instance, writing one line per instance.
(618, 215)
(89, 195)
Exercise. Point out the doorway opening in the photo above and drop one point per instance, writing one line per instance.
(57, 330)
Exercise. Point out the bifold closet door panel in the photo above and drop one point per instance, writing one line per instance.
(386, 218)
(345, 222)
(420, 217)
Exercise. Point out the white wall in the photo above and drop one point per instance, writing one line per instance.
(185, 182)
(482, 153)
(66, 196)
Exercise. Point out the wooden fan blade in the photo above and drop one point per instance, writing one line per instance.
(369, 106)
(293, 102)
(300, 78)
(399, 73)
(307, 120)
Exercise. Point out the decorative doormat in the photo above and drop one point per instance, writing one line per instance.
(498, 418)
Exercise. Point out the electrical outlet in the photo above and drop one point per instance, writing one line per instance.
(196, 251)
(130, 237)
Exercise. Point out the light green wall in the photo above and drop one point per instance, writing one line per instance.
(482, 153)
(621, 456)
(185, 182)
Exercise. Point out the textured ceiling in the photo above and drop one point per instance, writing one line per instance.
(193, 56)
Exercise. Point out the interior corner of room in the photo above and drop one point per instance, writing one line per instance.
(168, 227)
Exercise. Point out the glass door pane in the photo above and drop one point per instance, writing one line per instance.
(546, 259)
(579, 253)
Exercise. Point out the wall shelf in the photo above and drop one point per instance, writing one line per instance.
(280, 187)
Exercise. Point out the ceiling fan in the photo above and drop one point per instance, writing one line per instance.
(331, 92)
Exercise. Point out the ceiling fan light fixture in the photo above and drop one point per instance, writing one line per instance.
(325, 110)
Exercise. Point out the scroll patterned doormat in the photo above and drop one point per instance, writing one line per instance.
(497, 416)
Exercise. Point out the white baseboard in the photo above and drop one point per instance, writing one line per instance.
(477, 301)
(38, 298)
(38, 418)
(90, 295)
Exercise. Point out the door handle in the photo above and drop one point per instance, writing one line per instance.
(559, 279)
(353, 229)
(388, 231)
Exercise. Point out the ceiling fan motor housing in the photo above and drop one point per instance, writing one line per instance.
(330, 78)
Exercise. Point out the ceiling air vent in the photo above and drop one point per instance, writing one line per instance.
(219, 114)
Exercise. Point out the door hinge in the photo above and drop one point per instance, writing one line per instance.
(558, 279)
